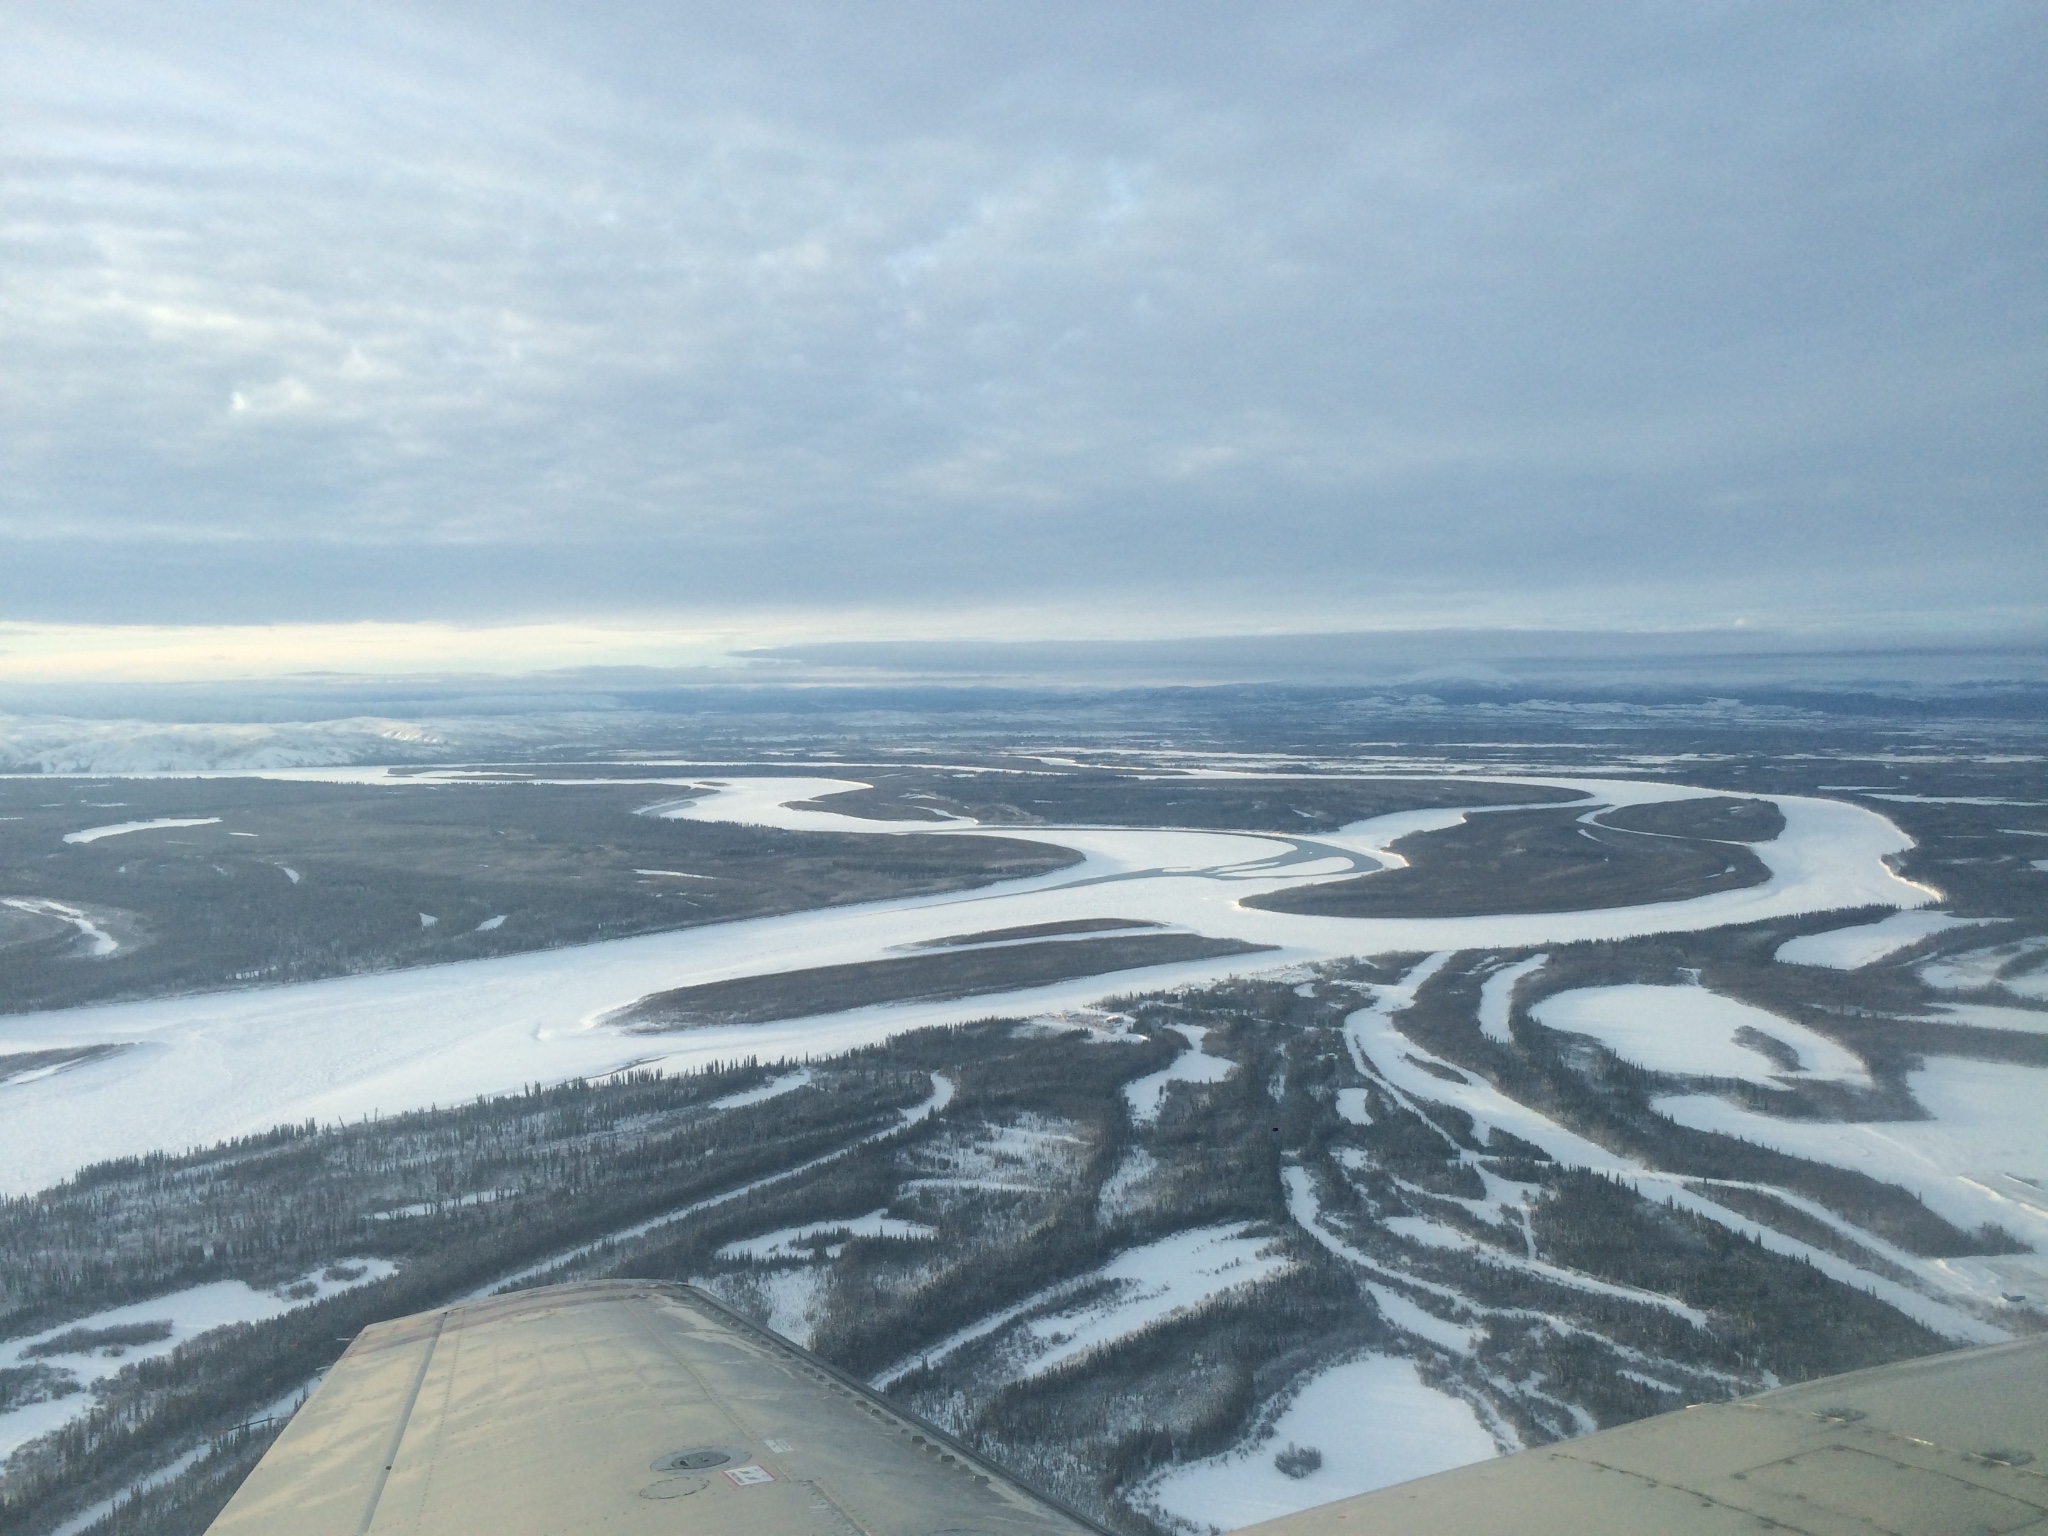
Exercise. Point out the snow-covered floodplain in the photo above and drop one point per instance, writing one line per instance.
(1147, 1094)
(1373, 1422)
(1145, 1285)
(1497, 997)
(185, 1315)
(2027, 1021)
(1689, 1031)
(1983, 1157)
(1978, 968)
(1420, 1081)
(1151, 1283)
(225, 1064)
(1847, 949)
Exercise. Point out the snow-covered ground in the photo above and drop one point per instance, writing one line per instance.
(1400, 1310)
(219, 1065)
(774, 1088)
(1352, 1105)
(1977, 968)
(1374, 1422)
(123, 828)
(1028, 1154)
(1147, 1095)
(1846, 949)
(1404, 1068)
(1124, 1190)
(1497, 997)
(798, 1242)
(1691, 1032)
(1426, 1233)
(793, 1296)
(1942, 1296)
(2028, 1021)
(1138, 1288)
(186, 1314)
(1982, 1157)
(941, 1095)
(1150, 1284)
(98, 942)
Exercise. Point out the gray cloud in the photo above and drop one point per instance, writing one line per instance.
(1223, 315)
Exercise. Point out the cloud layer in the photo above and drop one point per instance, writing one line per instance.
(1209, 316)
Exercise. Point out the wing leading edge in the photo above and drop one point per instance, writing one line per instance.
(628, 1406)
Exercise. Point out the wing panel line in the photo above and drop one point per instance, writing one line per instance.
(398, 1433)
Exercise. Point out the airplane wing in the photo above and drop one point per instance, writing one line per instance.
(620, 1407)
(1942, 1446)
(630, 1406)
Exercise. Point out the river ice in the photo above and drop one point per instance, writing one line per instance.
(216, 1065)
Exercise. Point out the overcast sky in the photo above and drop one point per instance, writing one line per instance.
(1030, 319)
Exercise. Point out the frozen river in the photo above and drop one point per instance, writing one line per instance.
(201, 1068)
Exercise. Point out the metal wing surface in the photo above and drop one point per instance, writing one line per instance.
(1944, 1446)
(620, 1407)
(641, 1407)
